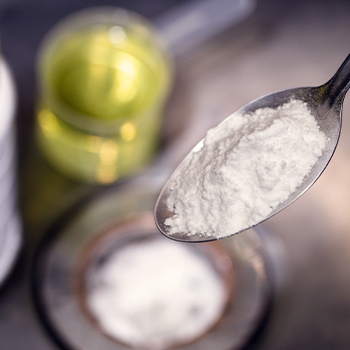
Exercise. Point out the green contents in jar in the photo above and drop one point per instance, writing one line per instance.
(103, 87)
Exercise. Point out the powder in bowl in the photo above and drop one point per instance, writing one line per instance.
(156, 293)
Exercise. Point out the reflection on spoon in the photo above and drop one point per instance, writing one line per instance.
(255, 163)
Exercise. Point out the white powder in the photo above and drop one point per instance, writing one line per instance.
(155, 293)
(244, 169)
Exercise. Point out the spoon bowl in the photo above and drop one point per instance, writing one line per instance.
(325, 104)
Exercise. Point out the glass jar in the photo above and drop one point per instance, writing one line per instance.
(104, 75)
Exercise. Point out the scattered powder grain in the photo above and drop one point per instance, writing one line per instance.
(245, 167)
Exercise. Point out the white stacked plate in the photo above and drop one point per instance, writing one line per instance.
(10, 228)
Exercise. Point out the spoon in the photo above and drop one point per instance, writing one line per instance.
(325, 104)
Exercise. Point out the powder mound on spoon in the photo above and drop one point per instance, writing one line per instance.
(244, 168)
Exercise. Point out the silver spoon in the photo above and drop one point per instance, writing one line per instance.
(325, 103)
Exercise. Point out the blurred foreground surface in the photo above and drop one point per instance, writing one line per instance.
(284, 44)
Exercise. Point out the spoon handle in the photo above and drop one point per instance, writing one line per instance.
(337, 87)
